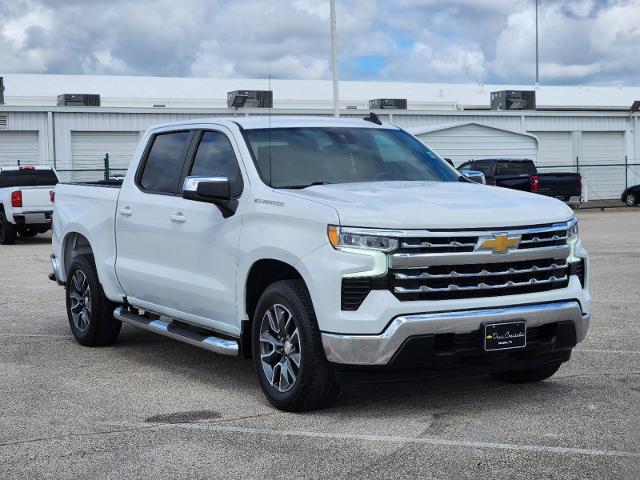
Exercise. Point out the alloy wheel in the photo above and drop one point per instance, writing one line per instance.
(80, 295)
(280, 348)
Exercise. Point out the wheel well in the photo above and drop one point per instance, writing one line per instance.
(75, 244)
(262, 274)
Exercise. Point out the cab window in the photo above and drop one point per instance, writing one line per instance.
(215, 158)
(163, 166)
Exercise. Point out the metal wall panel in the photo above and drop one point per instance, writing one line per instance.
(19, 145)
(554, 148)
(474, 141)
(89, 148)
(603, 148)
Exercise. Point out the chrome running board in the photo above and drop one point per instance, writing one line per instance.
(168, 329)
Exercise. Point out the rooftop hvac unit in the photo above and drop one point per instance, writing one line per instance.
(513, 100)
(1, 91)
(78, 100)
(397, 103)
(250, 99)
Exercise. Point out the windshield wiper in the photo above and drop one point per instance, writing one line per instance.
(298, 187)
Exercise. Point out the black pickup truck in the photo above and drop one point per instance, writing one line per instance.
(519, 174)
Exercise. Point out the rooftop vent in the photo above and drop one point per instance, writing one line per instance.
(513, 100)
(250, 99)
(3, 121)
(78, 100)
(397, 103)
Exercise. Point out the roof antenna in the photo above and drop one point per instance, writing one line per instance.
(373, 118)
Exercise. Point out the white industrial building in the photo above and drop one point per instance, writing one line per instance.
(588, 128)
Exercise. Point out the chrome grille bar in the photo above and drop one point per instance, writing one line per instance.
(481, 274)
(555, 238)
(427, 244)
(402, 261)
(481, 286)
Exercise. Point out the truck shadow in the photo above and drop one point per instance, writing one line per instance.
(357, 397)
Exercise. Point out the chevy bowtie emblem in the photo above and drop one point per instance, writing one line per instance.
(500, 243)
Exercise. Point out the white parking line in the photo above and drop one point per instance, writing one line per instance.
(35, 335)
(615, 300)
(593, 350)
(422, 441)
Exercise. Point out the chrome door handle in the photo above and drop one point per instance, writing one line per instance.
(177, 217)
(126, 211)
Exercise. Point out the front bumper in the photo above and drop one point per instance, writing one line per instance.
(381, 349)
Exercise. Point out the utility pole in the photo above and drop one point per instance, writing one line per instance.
(537, 64)
(334, 60)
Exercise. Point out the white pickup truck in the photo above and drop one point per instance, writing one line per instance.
(319, 246)
(26, 201)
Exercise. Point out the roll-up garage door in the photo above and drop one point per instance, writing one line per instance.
(21, 146)
(554, 148)
(88, 149)
(472, 141)
(600, 164)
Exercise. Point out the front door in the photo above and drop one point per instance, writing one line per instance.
(176, 256)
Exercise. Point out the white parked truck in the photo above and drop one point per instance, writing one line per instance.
(26, 201)
(318, 246)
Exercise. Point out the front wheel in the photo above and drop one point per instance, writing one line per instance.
(90, 312)
(631, 200)
(527, 376)
(287, 350)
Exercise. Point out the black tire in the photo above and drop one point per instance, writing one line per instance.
(631, 200)
(315, 384)
(28, 233)
(95, 326)
(7, 230)
(527, 376)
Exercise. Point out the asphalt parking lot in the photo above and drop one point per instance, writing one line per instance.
(151, 407)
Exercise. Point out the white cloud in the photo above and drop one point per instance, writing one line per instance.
(581, 41)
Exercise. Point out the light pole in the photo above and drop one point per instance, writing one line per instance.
(537, 68)
(334, 60)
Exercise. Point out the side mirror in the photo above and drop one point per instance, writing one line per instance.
(216, 190)
(475, 176)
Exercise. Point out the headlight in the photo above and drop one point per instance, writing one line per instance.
(345, 238)
(572, 232)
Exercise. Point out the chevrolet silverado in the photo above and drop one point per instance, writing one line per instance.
(318, 246)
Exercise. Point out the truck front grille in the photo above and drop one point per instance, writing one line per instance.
(447, 265)
(445, 282)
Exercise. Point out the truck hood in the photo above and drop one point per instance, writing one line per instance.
(435, 205)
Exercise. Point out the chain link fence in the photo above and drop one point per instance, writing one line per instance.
(90, 175)
(601, 181)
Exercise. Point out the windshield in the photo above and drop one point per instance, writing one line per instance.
(300, 157)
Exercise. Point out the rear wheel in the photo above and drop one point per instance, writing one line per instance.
(90, 312)
(527, 376)
(287, 350)
(7, 230)
(631, 200)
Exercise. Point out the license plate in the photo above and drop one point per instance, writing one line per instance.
(505, 335)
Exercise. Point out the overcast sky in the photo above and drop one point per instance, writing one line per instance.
(486, 41)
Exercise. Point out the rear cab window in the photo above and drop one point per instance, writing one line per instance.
(515, 168)
(28, 178)
(162, 169)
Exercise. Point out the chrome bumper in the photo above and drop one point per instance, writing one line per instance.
(380, 349)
